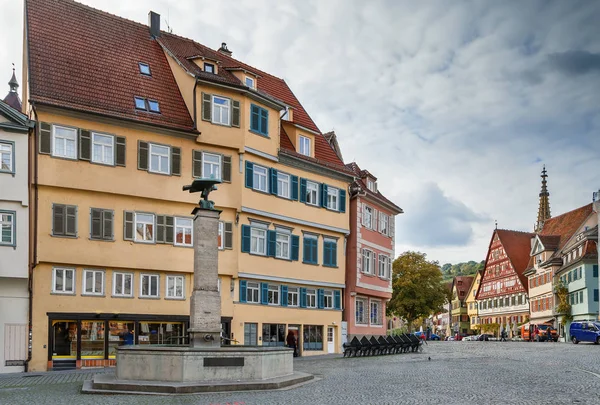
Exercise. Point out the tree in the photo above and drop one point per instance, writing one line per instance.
(418, 288)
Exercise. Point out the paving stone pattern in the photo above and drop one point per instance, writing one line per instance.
(458, 373)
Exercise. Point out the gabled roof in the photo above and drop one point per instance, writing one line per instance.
(517, 246)
(360, 185)
(87, 60)
(17, 121)
(564, 226)
(464, 286)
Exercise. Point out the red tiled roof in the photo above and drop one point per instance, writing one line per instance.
(517, 246)
(565, 225)
(85, 59)
(550, 242)
(464, 286)
(12, 99)
(361, 183)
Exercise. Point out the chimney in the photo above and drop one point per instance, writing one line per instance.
(154, 24)
(223, 49)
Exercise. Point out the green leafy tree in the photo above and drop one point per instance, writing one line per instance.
(418, 288)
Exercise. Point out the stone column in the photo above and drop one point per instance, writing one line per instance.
(205, 303)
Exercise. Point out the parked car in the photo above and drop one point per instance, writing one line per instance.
(433, 336)
(585, 332)
(485, 337)
(530, 333)
(450, 338)
(470, 338)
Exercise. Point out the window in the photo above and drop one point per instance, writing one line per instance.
(63, 281)
(273, 294)
(273, 334)
(371, 185)
(595, 270)
(103, 150)
(328, 299)
(304, 147)
(312, 193)
(252, 292)
(283, 185)
(368, 262)
(140, 103)
(361, 316)
(581, 297)
(220, 240)
(384, 263)
(368, 217)
(122, 284)
(260, 178)
(250, 334)
(209, 68)
(183, 231)
(144, 227)
(160, 158)
(7, 229)
(149, 286)
(153, 106)
(220, 113)
(311, 298)
(383, 223)
(310, 249)
(292, 298)
(175, 287)
(282, 246)
(6, 157)
(250, 82)
(101, 224)
(258, 241)
(596, 295)
(145, 69)
(93, 282)
(64, 220)
(211, 166)
(329, 252)
(259, 120)
(313, 337)
(332, 198)
(64, 142)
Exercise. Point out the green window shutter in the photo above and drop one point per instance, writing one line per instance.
(315, 251)
(128, 217)
(271, 243)
(295, 188)
(120, 151)
(58, 219)
(305, 250)
(326, 256)
(249, 174)
(96, 223)
(71, 220)
(176, 161)
(302, 297)
(342, 200)
(226, 170)
(303, 190)
(333, 253)
(160, 229)
(337, 300)
(197, 163)
(235, 113)
(169, 229)
(595, 270)
(107, 225)
(246, 238)
(323, 195)
(85, 144)
(254, 118)
(45, 138)
(206, 107)
(264, 122)
(320, 298)
(264, 291)
(295, 247)
(273, 177)
(142, 155)
(284, 295)
(243, 290)
(228, 227)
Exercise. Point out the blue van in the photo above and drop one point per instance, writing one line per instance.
(585, 332)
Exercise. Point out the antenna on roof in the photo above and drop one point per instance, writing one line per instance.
(169, 29)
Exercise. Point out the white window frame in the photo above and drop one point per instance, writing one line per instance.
(11, 225)
(212, 68)
(145, 224)
(311, 298)
(189, 228)
(368, 258)
(123, 276)
(328, 299)
(252, 84)
(273, 294)
(221, 110)
(107, 151)
(7, 148)
(295, 293)
(257, 176)
(367, 210)
(150, 278)
(333, 198)
(172, 293)
(95, 275)
(255, 287)
(311, 187)
(153, 152)
(383, 265)
(364, 303)
(221, 238)
(258, 234)
(383, 223)
(379, 321)
(212, 166)
(64, 271)
(371, 185)
(72, 137)
(283, 185)
(304, 145)
(281, 240)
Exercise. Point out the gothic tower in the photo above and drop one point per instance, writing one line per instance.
(544, 208)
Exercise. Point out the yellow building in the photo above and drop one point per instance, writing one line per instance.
(472, 307)
(126, 116)
(459, 320)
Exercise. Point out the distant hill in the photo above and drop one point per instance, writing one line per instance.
(449, 270)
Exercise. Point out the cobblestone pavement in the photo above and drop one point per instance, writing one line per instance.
(458, 373)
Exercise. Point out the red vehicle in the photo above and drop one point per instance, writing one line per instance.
(539, 332)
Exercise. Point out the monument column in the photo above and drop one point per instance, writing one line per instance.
(205, 302)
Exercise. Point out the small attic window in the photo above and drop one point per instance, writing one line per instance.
(140, 103)
(371, 185)
(153, 106)
(145, 69)
(209, 68)
(250, 82)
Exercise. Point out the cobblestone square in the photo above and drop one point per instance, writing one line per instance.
(458, 373)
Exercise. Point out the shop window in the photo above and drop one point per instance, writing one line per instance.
(163, 333)
(273, 334)
(92, 339)
(64, 339)
(313, 337)
(120, 333)
(250, 334)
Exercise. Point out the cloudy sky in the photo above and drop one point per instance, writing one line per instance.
(454, 106)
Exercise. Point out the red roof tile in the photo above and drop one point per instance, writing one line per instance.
(565, 225)
(464, 286)
(517, 246)
(363, 187)
(85, 59)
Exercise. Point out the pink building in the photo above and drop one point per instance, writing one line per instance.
(369, 256)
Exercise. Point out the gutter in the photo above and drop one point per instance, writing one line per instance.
(195, 108)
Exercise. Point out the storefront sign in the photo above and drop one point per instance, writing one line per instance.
(9, 363)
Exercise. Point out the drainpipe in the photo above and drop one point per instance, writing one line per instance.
(195, 110)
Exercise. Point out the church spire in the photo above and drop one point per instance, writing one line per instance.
(544, 208)
(12, 98)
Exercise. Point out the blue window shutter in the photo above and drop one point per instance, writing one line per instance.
(273, 177)
(264, 293)
(305, 250)
(326, 256)
(323, 195)
(295, 188)
(337, 300)
(333, 253)
(342, 200)
(595, 270)
(295, 247)
(315, 254)
(302, 190)
(249, 174)
(320, 298)
(302, 297)
(246, 238)
(242, 290)
(284, 295)
(254, 118)
(264, 122)
(271, 243)
(595, 295)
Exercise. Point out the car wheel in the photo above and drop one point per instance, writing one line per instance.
(597, 340)
(574, 340)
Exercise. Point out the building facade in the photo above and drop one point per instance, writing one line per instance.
(461, 285)
(370, 253)
(14, 234)
(112, 230)
(471, 300)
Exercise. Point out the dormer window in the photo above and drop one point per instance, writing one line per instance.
(371, 185)
(209, 68)
(250, 82)
(304, 146)
(145, 69)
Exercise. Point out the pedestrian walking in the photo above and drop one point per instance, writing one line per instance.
(291, 342)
